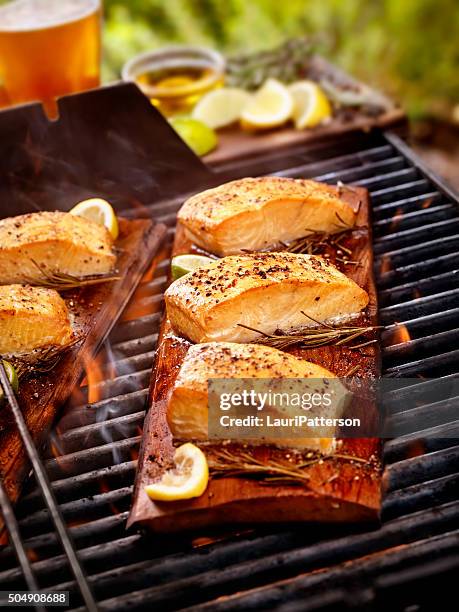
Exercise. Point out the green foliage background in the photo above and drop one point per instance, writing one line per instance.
(408, 48)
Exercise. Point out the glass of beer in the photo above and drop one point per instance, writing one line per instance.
(48, 48)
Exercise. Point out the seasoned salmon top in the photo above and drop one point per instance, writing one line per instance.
(233, 360)
(46, 226)
(228, 277)
(32, 318)
(217, 204)
(259, 213)
(34, 244)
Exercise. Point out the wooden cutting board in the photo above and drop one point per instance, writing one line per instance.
(338, 489)
(95, 310)
(236, 143)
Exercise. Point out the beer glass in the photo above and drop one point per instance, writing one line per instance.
(48, 48)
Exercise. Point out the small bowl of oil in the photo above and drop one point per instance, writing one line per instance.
(174, 78)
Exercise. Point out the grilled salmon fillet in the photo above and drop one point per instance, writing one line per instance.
(256, 213)
(32, 318)
(265, 291)
(187, 409)
(56, 242)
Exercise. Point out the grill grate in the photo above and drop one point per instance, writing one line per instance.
(91, 461)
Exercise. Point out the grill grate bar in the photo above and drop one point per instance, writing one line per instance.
(308, 586)
(48, 495)
(208, 584)
(415, 270)
(419, 305)
(423, 286)
(407, 205)
(427, 364)
(353, 173)
(440, 229)
(89, 507)
(411, 219)
(46, 544)
(416, 252)
(66, 489)
(88, 459)
(17, 544)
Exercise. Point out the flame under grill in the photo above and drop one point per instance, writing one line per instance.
(92, 458)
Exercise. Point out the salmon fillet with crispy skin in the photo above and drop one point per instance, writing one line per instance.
(257, 213)
(57, 242)
(32, 318)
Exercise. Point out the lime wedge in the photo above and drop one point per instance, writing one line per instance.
(197, 135)
(12, 377)
(183, 264)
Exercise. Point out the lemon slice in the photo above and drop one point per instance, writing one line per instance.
(187, 479)
(197, 135)
(311, 105)
(12, 377)
(270, 106)
(183, 264)
(100, 212)
(221, 107)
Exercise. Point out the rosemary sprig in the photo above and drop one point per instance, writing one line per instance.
(240, 463)
(237, 462)
(61, 281)
(313, 337)
(41, 360)
(287, 63)
(315, 242)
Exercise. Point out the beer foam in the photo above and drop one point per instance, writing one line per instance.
(25, 15)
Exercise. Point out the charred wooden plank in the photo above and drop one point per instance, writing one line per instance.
(339, 490)
(95, 309)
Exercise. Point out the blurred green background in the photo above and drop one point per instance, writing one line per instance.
(407, 48)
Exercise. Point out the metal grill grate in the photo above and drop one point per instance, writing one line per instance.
(91, 460)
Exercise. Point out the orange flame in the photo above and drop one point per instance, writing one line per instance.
(105, 488)
(32, 555)
(396, 219)
(427, 203)
(386, 265)
(399, 335)
(142, 302)
(94, 376)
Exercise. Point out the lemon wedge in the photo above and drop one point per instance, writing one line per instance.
(311, 105)
(187, 479)
(183, 264)
(270, 106)
(221, 107)
(100, 212)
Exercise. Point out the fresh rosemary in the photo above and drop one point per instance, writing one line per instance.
(315, 242)
(313, 337)
(238, 462)
(61, 281)
(41, 361)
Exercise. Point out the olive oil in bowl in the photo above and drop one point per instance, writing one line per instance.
(174, 78)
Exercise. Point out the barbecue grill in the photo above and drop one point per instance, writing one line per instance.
(91, 457)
